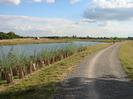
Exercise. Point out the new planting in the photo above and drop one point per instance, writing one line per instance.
(16, 64)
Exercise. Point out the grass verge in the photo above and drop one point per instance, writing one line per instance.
(126, 57)
(41, 84)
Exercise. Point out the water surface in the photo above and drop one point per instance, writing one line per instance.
(30, 49)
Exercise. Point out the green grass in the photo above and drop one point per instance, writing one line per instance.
(41, 84)
(126, 57)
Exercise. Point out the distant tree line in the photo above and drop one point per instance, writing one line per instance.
(88, 37)
(130, 38)
(9, 35)
(75, 37)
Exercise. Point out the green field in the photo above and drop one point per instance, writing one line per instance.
(126, 57)
(41, 84)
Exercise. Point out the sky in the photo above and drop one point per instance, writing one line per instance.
(97, 18)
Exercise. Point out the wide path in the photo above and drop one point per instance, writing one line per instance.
(99, 76)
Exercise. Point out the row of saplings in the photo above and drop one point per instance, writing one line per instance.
(18, 66)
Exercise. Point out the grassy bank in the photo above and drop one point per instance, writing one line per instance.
(41, 84)
(29, 41)
(126, 57)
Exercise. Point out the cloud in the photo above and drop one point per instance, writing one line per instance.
(113, 3)
(109, 10)
(109, 14)
(16, 2)
(47, 1)
(33, 26)
(74, 1)
(87, 21)
(37, 0)
(53, 1)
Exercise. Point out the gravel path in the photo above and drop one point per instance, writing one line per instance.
(99, 76)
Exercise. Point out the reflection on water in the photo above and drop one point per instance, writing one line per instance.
(29, 49)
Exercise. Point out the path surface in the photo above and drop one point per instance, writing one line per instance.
(97, 77)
